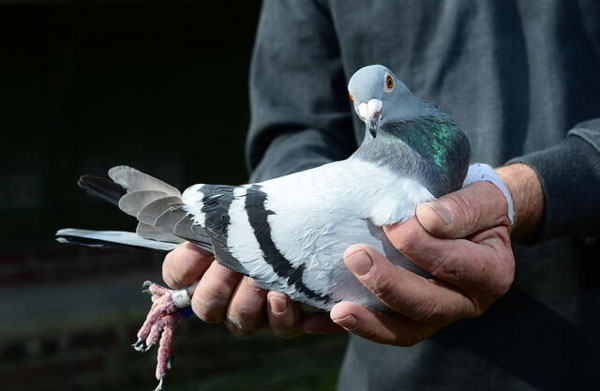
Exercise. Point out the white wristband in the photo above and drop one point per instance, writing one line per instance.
(483, 172)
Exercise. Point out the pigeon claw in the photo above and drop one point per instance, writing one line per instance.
(146, 285)
(144, 350)
(138, 345)
(159, 387)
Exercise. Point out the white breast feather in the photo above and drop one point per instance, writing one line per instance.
(320, 212)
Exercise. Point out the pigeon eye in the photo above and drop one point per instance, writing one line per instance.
(351, 97)
(389, 82)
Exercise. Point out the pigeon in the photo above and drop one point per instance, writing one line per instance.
(289, 233)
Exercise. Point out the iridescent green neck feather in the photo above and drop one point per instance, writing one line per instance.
(430, 149)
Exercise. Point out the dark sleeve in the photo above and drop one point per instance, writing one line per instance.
(299, 105)
(570, 177)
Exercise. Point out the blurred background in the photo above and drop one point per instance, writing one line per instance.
(85, 85)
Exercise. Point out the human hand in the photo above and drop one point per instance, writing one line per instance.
(463, 241)
(229, 297)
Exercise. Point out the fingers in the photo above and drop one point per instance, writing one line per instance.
(485, 260)
(246, 310)
(185, 265)
(381, 327)
(287, 319)
(404, 292)
(459, 214)
(284, 315)
(213, 293)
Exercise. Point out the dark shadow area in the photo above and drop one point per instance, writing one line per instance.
(85, 85)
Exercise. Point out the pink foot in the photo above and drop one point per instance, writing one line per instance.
(160, 324)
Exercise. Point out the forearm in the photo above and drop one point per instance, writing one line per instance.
(569, 175)
(528, 198)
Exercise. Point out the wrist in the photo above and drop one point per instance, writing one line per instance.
(528, 198)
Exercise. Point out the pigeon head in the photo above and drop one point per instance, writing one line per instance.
(406, 133)
(379, 97)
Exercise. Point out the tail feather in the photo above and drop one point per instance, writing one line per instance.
(110, 239)
(102, 188)
(132, 202)
(147, 231)
(169, 218)
(152, 211)
(164, 220)
(133, 180)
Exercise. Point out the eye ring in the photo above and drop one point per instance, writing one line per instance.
(389, 82)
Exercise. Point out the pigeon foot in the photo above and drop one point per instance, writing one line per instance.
(159, 326)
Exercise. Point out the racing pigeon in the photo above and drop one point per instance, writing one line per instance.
(289, 233)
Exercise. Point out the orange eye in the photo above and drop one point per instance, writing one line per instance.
(389, 82)
(351, 97)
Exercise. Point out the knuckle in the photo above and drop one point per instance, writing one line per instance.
(382, 286)
(428, 310)
(445, 267)
(463, 208)
(405, 238)
(459, 201)
(503, 276)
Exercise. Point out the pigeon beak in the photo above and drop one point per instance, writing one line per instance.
(372, 125)
(371, 114)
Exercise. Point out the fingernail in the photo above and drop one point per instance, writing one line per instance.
(278, 305)
(348, 322)
(359, 263)
(441, 211)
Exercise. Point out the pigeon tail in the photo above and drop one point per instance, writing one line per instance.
(158, 207)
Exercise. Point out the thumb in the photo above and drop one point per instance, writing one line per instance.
(476, 207)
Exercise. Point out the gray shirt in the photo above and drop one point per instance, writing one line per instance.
(522, 78)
